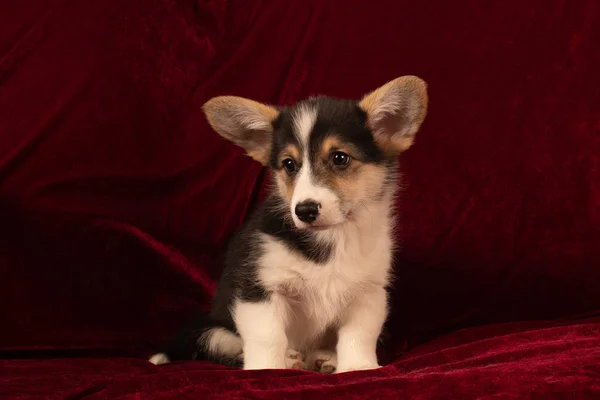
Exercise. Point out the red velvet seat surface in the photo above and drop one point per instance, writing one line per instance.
(116, 199)
(533, 360)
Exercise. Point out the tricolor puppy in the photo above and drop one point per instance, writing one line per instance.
(304, 282)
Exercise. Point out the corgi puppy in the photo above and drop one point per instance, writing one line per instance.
(305, 280)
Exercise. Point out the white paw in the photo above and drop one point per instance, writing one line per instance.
(159, 359)
(359, 367)
(324, 361)
(294, 359)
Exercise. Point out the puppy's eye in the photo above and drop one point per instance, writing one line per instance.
(340, 159)
(289, 165)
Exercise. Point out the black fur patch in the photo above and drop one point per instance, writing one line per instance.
(340, 117)
(344, 119)
(187, 343)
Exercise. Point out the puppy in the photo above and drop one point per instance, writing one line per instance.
(307, 274)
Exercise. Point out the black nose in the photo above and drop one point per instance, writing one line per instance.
(307, 211)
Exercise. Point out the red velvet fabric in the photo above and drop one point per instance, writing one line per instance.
(499, 362)
(116, 199)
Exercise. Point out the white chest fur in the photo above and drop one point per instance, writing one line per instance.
(314, 296)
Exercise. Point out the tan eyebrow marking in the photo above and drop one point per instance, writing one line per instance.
(333, 143)
(290, 151)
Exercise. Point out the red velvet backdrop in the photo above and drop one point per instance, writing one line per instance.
(116, 197)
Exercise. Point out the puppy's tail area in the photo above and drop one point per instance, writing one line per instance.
(203, 338)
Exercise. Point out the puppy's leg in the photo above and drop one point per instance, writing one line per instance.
(360, 330)
(261, 326)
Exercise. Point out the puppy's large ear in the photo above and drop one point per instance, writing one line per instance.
(395, 112)
(247, 123)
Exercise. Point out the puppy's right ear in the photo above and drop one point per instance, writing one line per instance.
(246, 123)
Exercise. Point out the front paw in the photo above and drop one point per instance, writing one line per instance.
(356, 367)
(294, 359)
(322, 360)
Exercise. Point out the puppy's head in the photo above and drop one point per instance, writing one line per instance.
(329, 156)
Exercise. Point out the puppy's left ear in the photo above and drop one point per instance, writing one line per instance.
(395, 112)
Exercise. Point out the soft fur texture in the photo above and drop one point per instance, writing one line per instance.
(117, 199)
(300, 282)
